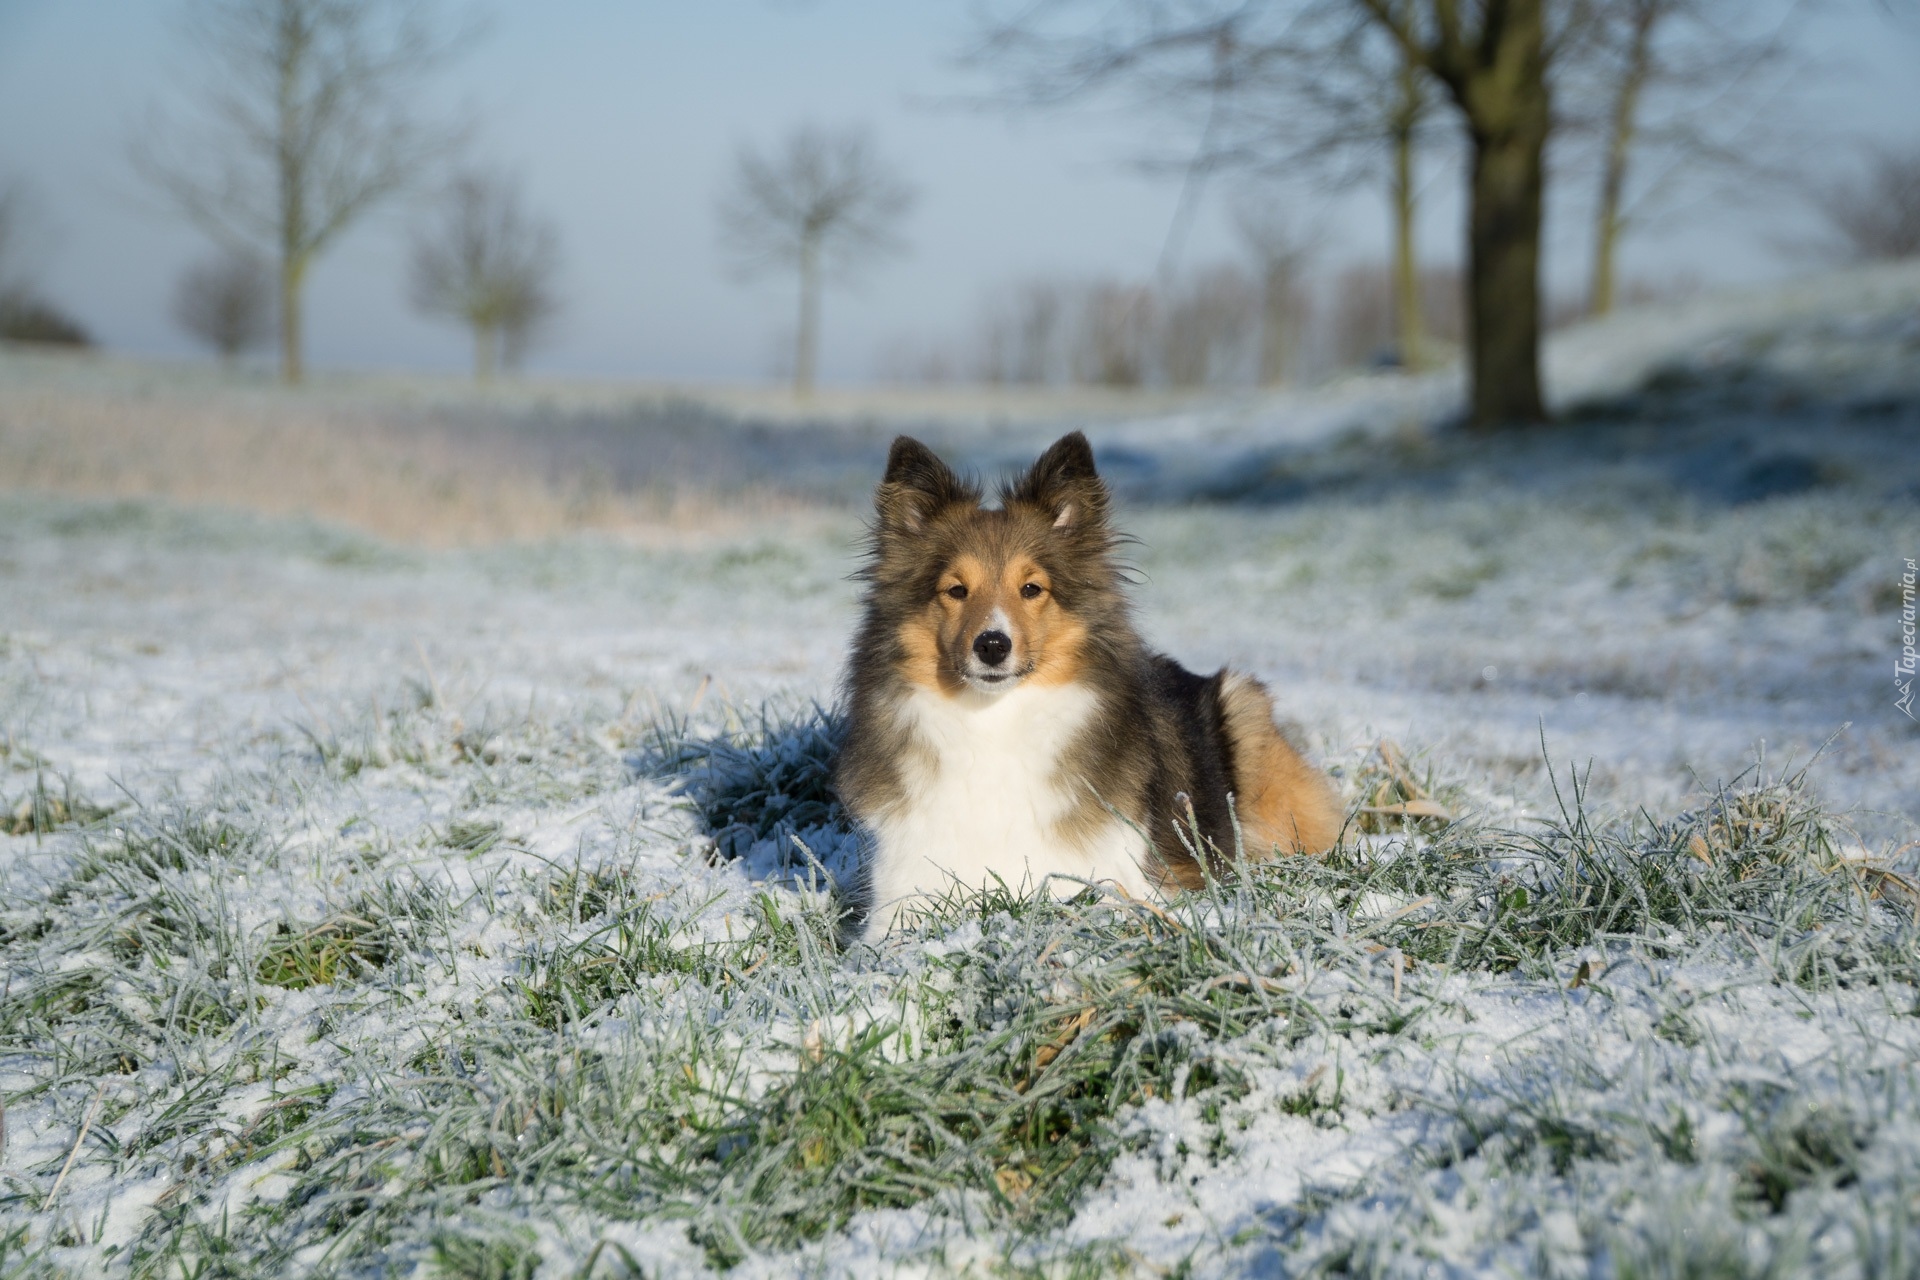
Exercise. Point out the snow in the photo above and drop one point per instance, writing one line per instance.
(452, 740)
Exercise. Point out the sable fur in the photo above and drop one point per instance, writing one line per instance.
(1152, 744)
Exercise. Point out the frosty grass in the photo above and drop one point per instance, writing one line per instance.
(369, 911)
(334, 950)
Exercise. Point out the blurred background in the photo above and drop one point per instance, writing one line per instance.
(1060, 158)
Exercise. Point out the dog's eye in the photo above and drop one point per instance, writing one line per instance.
(1032, 591)
(957, 592)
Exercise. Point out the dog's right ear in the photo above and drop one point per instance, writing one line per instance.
(917, 485)
(1066, 485)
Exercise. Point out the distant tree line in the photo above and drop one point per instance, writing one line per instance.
(309, 117)
(1225, 325)
(1645, 94)
(1276, 315)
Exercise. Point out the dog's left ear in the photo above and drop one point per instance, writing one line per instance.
(916, 486)
(1065, 483)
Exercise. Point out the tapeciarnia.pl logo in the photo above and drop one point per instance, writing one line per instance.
(1903, 666)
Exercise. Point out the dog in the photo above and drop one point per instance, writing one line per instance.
(1006, 723)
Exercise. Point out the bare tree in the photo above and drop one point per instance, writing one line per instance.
(1210, 329)
(823, 204)
(488, 264)
(1494, 60)
(1207, 328)
(1363, 325)
(1491, 60)
(1114, 325)
(1634, 25)
(1275, 87)
(304, 120)
(1665, 88)
(1359, 321)
(1406, 111)
(1022, 335)
(1348, 83)
(1333, 93)
(226, 302)
(1875, 215)
(1281, 252)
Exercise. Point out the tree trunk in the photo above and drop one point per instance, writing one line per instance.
(1276, 330)
(1503, 277)
(293, 274)
(1411, 332)
(1492, 57)
(1508, 118)
(806, 346)
(290, 178)
(1606, 234)
(1607, 221)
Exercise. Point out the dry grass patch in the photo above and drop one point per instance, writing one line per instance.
(387, 465)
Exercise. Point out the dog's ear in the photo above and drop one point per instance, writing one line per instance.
(917, 485)
(1065, 484)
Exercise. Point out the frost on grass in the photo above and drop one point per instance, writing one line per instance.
(764, 790)
(492, 1010)
(36, 799)
(481, 977)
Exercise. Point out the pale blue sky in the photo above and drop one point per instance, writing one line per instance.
(623, 118)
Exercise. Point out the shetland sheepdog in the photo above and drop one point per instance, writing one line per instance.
(1007, 724)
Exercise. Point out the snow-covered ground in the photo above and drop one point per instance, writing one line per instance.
(356, 921)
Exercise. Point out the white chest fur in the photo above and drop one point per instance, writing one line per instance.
(986, 792)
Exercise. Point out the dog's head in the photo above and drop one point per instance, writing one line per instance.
(983, 598)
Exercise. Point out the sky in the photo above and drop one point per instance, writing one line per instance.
(623, 116)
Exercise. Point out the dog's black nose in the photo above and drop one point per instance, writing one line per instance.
(992, 647)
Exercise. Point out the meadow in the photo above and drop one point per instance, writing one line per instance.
(418, 853)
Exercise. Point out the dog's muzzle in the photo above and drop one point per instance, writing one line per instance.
(992, 648)
(988, 666)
